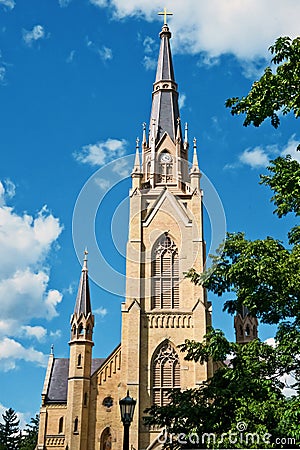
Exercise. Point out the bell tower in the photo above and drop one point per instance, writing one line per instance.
(79, 379)
(246, 326)
(162, 308)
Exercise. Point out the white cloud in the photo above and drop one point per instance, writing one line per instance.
(55, 334)
(103, 184)
(100, 311)
(102, 152)
(37, 33)
(12, 351)
(70, 57)
(291, 149)
(37, 332)
(260, 157)
(181, 101)
(2, 74)
(254, 158)
(150, 46)
(64, 3)
(100, 3)
(24, 276)
(105, 53)
(10, 4)
(244, 28)
(149, 62)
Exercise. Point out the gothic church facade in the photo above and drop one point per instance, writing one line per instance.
(80, 409)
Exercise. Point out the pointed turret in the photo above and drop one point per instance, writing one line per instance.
(80, 363)
(165, 108)
(83, 300)
(195, 173)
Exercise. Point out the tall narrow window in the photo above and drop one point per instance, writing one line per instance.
(61, 425)
(76, 425)
(79, 360)
(165, 373)
(165, 275)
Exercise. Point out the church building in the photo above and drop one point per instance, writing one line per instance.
(80, 399)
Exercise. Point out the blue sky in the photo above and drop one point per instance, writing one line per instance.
(75, 87)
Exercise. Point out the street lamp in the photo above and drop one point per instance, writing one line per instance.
(127, 405)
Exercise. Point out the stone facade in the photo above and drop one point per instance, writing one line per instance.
(80, 409)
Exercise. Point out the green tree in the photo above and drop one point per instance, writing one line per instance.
(9, 431)
(262, 275)
(30, 434)
(243, 395)
(273, 92)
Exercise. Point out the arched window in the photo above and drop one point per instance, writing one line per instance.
(105, 441)
(61, 425)
(76, 425)
(165, 373)
(165, 274)
(165, 167)
(79, 360)
(80, 329)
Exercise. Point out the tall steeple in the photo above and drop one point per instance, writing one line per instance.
(165, 110)
(83, 300)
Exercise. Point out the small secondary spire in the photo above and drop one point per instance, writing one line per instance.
(83, 301)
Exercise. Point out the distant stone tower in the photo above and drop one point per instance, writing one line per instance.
(246, 326)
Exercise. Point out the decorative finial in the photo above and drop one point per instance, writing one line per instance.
(165, 14)
(52, 349)
(144, 134)
(195, 142)
(137, 143)
(186, 132)
(84, 267)
(178, 120)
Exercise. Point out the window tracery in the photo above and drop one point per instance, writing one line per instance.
(165, 373)
(165, 274)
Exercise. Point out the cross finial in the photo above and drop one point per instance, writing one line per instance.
(165, 13)
(85, 254)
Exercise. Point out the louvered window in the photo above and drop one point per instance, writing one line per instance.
(165, 275)
(165, 374)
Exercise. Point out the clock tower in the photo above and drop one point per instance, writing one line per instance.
(162, 308)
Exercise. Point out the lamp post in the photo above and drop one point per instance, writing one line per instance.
(127, 405)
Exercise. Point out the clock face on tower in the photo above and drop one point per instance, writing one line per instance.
(165, 157)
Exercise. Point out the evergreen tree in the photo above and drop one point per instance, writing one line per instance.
(9, 431)
(30, 434)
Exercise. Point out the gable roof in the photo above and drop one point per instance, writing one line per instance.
(58, 384)
(177, 207)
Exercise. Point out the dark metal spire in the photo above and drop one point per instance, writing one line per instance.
(83, 300)
(165, 108)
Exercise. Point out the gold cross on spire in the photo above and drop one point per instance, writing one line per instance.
(165, 13)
